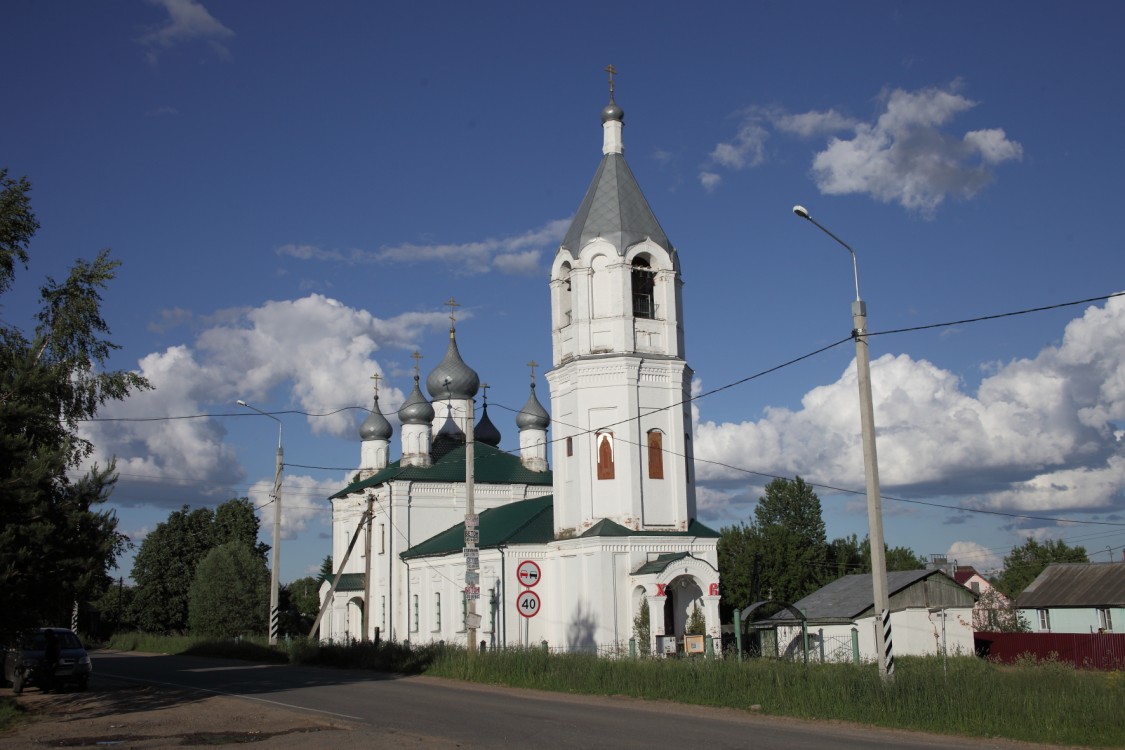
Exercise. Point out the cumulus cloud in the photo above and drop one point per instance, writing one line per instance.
(1039, 435)
(906, 155)
(709, 180)
(315, 348)
(519, 254)
(188, 21)
(971, 553)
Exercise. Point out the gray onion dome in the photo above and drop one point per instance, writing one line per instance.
(452, 378)
(416, 409)
(532, 416)
(376, 426)
(486, 432)
(613, 112)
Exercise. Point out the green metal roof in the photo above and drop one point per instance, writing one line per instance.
(606, 527)
(659, 564)
(523, 522)
(491, 466)
(350, 582)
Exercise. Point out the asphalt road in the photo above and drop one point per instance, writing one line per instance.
(493, 717)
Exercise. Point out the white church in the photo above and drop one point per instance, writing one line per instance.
(522, 550)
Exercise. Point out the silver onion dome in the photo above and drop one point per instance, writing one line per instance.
(416, 409)
(532, 416)
(486, 432)
(452, 378)
(376, 426)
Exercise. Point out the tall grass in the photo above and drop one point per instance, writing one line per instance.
(1049, 702)
(1037, 702)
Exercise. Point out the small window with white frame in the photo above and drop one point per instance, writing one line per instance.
(1105, 620)
(1045, 620)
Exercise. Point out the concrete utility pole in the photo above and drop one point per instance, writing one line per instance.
(870, 465)
(367, 572)
(472, 532)
(276, 496)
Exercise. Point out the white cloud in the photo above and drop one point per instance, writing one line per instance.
(812, 123)
(709, 180)
(971, 553)
(302, 502)
(188, 21)
(1039, 434)
(904, 156)
(519, 254)
(314, 347)
(748, 148)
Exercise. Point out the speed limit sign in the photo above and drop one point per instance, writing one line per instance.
(528, 603)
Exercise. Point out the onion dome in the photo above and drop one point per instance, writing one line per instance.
(485, 431)
(376, 426)
(416, 409)
(613, 112)
(452, 379)
(532, 416)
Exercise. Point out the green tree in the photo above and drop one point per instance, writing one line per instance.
(230, 593)
(642, 629)
(164, 569)
(56, 545)
(791, 536)
(236, 521)
(299, 603)
(739, 561)
(165, 566)
(326, 572)
(1028, 560)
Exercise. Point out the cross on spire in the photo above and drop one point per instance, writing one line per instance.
(453, 305)
(376, 377)
(612, 71)
(484, 387)
(416, 356)
(533, 364)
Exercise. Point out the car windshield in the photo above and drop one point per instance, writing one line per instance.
(38, 641)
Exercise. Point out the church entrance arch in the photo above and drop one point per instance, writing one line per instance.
(354, 626)
(682, 596)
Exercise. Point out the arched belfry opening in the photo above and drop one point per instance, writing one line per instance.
(644, 286)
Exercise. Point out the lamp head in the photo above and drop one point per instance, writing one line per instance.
(240, 402)
(802, 212)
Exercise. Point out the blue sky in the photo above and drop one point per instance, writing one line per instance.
(294, 191)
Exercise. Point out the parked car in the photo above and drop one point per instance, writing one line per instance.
(26, 663)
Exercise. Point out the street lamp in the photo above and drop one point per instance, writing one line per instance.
(276, 495)
(870, 464)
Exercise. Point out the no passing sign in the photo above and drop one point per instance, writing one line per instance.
(528, 573)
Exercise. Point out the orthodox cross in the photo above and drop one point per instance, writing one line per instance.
(612, 71)
(484, 387)
(376, 377)
(533, 364)
(453, 305)
(416, 356)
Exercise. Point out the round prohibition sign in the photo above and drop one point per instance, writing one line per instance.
(528, 603)
(528, 573)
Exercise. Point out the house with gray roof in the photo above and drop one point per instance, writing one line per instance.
(930, 614)
(1076, 598)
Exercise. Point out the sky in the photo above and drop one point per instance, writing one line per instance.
(295, 189)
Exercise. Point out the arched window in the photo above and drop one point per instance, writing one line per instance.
(655, 454)
(644, 281)
(565, 296)
(605, 455)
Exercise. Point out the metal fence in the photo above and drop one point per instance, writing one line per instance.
(1084, 650)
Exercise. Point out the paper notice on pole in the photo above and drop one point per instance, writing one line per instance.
(472, 520)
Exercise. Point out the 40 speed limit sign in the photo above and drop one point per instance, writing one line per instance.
(528, 603)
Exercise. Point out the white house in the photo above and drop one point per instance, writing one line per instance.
(1076, 598)
(930, 614)
(567, 556)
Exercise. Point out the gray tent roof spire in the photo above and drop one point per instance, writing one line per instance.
(614, 208)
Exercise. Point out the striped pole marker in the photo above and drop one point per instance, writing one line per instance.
(74, 617)
(888, 652)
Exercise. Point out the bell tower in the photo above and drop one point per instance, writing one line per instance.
(620, 383)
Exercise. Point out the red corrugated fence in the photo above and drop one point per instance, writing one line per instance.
(1084, 650)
